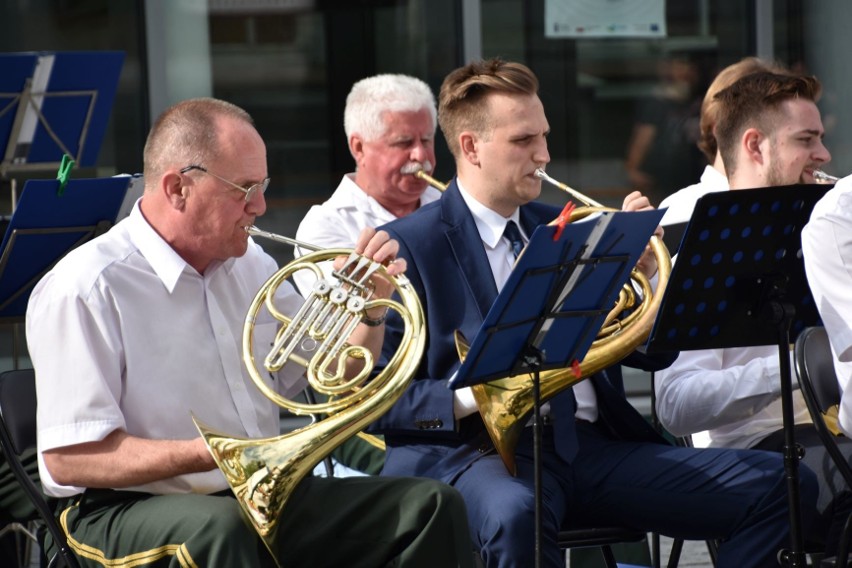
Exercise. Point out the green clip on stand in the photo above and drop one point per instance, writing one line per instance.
(64, 173)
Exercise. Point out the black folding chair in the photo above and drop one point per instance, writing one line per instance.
(17, 435)
(821, 391)
(599, 537)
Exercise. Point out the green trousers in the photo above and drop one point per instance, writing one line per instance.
(352, 522)
(361, 455)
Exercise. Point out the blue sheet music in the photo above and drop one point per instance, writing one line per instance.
(45, 226)
(558, 295)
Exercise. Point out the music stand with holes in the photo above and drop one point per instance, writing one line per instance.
(739, 281)
(46, 225)
(551, 308)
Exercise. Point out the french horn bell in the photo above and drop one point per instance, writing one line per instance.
(262, 473)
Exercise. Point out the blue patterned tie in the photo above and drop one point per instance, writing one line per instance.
(513, 234)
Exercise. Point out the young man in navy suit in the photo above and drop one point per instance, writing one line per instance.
(602, 463)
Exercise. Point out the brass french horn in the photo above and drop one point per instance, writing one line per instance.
(262, 473)
(506, 404)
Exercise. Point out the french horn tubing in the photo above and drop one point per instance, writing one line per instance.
(263, 473)
(506, 404)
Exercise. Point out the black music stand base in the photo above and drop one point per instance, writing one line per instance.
(533, 359)
(782, 314)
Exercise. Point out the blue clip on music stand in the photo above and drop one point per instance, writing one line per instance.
(553, 305)
(52, 104)
(739, 281)
(46, 226)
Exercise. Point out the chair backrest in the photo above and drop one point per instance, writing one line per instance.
(18, 434)
(820, 389)
(815, 363)
(18, 407)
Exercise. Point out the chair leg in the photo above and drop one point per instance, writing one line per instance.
(843, 547)
(674, 555)
(713, 550)
(655, 550)
(609, 557)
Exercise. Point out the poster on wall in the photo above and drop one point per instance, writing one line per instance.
(604, 18)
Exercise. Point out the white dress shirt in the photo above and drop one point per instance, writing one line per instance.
(338, 222)
(681, 204)
(827, 247)
(502, 259)
(124, 334)
(734, 393)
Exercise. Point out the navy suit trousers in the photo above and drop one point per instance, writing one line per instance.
(737, 496)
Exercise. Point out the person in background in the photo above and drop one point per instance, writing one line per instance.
(769, 133)
(661, 153)
(603, 464)
(135, 332)
(680, 204)
(390, 123)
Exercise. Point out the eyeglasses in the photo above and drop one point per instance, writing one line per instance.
(250, 191)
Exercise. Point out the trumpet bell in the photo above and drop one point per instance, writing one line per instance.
(262, 473)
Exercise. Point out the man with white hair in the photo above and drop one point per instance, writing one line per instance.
(390, 123)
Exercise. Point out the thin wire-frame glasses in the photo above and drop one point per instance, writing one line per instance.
(249, 191)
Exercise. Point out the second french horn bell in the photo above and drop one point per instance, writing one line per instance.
(506, 404)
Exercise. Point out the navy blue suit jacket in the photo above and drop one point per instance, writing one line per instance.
(449, 270)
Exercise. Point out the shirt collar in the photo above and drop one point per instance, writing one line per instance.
(489, 223)
(165, 262)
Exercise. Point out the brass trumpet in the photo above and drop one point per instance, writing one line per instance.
(263, 473)
(430, 180)
(506, 404)
(822, 177)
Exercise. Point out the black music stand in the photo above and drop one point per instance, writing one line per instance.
(739, 281)
(552, 306)
(46, 225)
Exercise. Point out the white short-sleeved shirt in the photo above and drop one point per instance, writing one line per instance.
(827, 248)
(681, 204)
(124, 334)
(339, 221)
